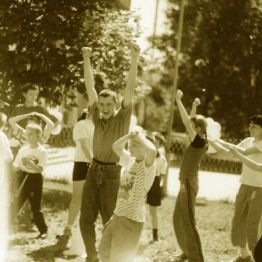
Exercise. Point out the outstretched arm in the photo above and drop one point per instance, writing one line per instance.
(132, 74)
(184, 116)
(195, 104)
(88, 76)
(247, 161)
(244, 151)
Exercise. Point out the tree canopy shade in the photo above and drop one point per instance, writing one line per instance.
(41, 41)
(221, 60)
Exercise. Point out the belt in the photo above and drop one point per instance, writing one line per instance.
(104, 163)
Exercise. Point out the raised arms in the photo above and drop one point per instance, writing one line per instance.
(88, 75)
(132, 75)
(184, 116)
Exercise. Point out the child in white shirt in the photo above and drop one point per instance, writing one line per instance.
(122, 233)
(30, 162)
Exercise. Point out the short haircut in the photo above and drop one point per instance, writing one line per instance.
(107, 93)
(35, 127)
(256, 119)
(30, 86)
(3, 119)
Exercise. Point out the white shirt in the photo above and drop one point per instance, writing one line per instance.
(83, 129)
(250, 176)
(161, 165)
(37, 154)
(136, 180)
(5, 154)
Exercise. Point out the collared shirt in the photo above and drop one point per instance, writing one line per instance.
(107, 131)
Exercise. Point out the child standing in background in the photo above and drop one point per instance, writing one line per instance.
(30, 161)
(154, 195)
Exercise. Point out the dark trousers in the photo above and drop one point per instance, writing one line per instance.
(184, 220)
(99, 195)
(31, 190)
(258, 251)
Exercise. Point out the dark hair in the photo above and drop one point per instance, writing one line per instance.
(200, 122)
(107, 93)
(83, 115)
(3, 119)
(29, 86)
(256, 119)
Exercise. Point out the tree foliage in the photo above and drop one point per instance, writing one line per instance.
(41, 41)
(221, 59)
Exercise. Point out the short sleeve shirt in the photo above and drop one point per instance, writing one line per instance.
(38, 155)
(135, 182)
(107, 131)
(250, 176)
(192, 157)
(84, 129)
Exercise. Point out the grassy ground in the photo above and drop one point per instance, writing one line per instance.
(213, 220)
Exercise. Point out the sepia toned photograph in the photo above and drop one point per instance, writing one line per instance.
(130, 131)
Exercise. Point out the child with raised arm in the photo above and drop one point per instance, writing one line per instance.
(19, 131)
(30, 161)
(184, 213)
(122, 233)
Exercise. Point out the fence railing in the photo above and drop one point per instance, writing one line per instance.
(210, 162)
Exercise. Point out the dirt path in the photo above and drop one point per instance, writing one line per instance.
(213, 220)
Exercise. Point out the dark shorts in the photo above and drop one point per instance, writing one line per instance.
(80, 170)
(154, 194)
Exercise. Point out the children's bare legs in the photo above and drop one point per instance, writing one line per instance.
(74, 208)
(75, 203)
(154, 217)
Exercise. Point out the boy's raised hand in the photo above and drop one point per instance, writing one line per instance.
(87, 51)
(197, 101)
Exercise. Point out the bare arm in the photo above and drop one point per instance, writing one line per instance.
(88, 76)
(149, 148)
(30, 163)
(132, 75)
(119, 145)
(13, 120)
(244, 151)
(195, 104)
(48, 127)
(184, 116)
(247, 161)
(84, 147)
